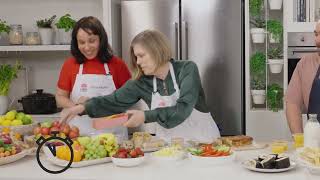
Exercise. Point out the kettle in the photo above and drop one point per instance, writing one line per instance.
(312, 132)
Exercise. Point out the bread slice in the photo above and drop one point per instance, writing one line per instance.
(237, 141)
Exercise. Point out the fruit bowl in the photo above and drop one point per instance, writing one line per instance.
(128, 162)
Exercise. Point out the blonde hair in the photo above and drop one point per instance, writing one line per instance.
(156, 44)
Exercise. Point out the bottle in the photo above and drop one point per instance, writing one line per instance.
(312, 132)
(15, 34)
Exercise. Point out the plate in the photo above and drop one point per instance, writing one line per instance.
(63, 163)
(247, 165)
(212, 160)
(311, 167)
(128, 162)
(13, 158)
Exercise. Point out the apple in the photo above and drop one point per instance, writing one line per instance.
(54, 129)
(73, 134)
(65, 129)
(45, 131)
(122, 155)
(133, 153)
(37, 130)
(139, 151)
(75, 129)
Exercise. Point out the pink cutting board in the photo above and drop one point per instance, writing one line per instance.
(109, 121)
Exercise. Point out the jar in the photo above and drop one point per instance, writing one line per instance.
(15, 34)
(32, 38)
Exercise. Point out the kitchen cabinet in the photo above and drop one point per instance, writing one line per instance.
(291, 15)
(43, 62)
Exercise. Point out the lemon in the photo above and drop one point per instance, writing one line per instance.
(11, 115)
(2, 118)
(6, 123)
(16, 122)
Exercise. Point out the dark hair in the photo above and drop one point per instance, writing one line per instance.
(91, 25)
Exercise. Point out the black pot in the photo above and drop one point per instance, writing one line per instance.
(39, 103)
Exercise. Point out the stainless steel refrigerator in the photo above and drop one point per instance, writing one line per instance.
(208, 32)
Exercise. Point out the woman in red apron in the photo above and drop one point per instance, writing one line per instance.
(92, 71)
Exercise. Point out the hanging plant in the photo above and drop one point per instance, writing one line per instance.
(274, 97)
(275, 28)
(275, 53)
(258, 22)
(258, 64)
(257, 84)
(4, 27)
(255, 7)
(46, 23)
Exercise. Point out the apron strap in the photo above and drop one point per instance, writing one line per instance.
(106, 69)
(312, 91)
(80, 69)
(175, 85)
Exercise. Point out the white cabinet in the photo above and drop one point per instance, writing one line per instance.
(292, 13)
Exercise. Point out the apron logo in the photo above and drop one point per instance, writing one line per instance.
(83, 87)
(162, 104)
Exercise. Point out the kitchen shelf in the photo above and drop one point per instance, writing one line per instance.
(35, 48)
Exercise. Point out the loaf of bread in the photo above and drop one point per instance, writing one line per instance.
(237, 141)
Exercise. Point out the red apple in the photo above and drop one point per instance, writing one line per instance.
(75, 129)
(73, 134)
(37, 130)
(65, 129)
(133, 153)
(54, 129)
(122, 155)
(45, 131)
(139, 151)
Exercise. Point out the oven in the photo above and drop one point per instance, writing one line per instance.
(299, 44)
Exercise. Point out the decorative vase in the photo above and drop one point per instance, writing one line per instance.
(258, 96)
(258, 35)
(46, 35)
(275, 4)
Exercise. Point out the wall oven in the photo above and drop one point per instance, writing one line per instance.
(299, 44)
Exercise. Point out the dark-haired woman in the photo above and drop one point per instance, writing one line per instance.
(92, 71)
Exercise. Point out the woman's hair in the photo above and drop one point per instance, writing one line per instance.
(91, 25)
(156, 44)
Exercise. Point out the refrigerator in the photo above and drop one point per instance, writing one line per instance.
(208, 32)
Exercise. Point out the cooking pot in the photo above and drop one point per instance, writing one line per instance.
(39, 103)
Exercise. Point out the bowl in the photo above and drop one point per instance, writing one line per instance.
(128, 162)
(212, 160)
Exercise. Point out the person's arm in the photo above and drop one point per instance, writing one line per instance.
(170, 117)
(63, 98)
(293, 113)
(294, 101)
(117, 102)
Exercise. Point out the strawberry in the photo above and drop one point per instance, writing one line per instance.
(133, 154)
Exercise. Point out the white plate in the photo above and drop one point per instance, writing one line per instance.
(13, 158)
(212, 160)
(247, 165)
(63, 163)
(311, 167)
(128, 162)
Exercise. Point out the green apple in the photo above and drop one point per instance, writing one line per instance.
(20, 116)
(29, 116)
(26, 120)
(46, 124)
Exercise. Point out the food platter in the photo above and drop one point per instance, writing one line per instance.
(13, 158)
(248, 165)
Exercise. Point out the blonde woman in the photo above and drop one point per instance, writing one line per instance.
(172, 89)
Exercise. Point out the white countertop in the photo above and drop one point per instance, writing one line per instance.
(27, 168)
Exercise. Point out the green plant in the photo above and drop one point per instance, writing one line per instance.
(274, 97)
(4, 27)
(7, 74)
(257, 84)
(258, 22)
(46, 23)
(275, 28)
(255, 7)
(275, 53)
(258, 64)
(66, 22)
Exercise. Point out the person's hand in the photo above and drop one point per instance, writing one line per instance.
(136, 118)
(82, 100)
(69, 113)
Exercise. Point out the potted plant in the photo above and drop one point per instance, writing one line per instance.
(275, 59)
(275, 29)
(274, 97)
(275, 4)
(255, 7)
(4, 31)
(45, 30)
(257, 72)
(7, 74)
(258, 32)
(65, 25)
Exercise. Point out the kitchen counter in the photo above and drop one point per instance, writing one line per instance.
(27, 168)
